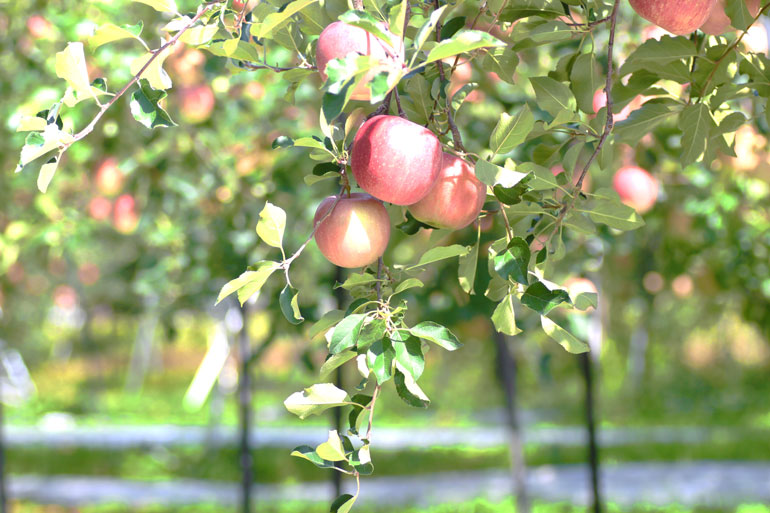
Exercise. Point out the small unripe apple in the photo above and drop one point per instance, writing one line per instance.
(636, 188)
(197, 103)
(395, 160)
(355, 233)
(718, 22)
(679, 17)
(339, 39)
(455, 200)
(99, 208)
(109, 178)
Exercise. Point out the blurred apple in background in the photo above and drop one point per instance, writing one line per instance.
(40, 28)
(636, 188)
(196, 103)
(125, 217)
(109, 178)
(99, 208)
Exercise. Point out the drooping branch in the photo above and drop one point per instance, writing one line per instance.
(90, 127)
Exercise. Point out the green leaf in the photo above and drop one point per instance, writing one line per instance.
(409, 354)
(440, 253)
(46, 173)
(462, 42)
(334, 361)
(695, 122)
(739, 14)
(370, 333)
(271, 225)
(308, 453)
(326, 321)
(145, 106)
(409, 391)
(466, 270)
(160, 5)
(38, 144)
(654, 55)
(200, 35)
(289, 304)
(552, 96)
(514, 261)
(380, 358)
(109, 32)
(276, 19)
(427, 28)
(357, 414)
(357, 280)
(502, 62)
(565, 339)
(418, 90)
(511, 131)
(315, 399)
(542, 177)
(585, 80)
(526, 8)
(492, 174)
(585, 300)
(345, 334)
(437, 334)
(71, 66)
(154, 72)
(451, 27)
(397, 17)
(237, 49)
(331, 450)
(606, 208)
(541, 299)
(504, 318)
(250, 282)
(369, 23)
(641, 122)
(343, 503)
(407, 284)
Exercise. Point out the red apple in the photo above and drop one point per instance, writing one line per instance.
(395, 160)
(456, 198)
(197, 103)
(636, 188)
(339, 39)
(88, 273)
(39, 27)
(109, 178)
(356, 232)
(718, 22)
(125, 217)
(99, 208)
(600, 100)
(679, 17)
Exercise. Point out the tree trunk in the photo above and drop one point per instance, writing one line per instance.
(244, 400)
(586, 366)
(507, 372)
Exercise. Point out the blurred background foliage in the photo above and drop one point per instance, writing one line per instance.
(107, 282)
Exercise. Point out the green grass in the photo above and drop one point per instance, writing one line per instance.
(475, 506)
(275, 465)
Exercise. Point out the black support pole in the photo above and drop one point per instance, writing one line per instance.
(3, 496)
(244, 403)
(506, 360)
(339, 299)
(586, 366)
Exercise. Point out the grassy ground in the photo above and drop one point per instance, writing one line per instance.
(275, 465)
(477, 506)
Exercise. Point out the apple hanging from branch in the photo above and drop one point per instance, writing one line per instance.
(395, 160)
(636, 188)
(355, 233)
(679, 17)
(455, 200)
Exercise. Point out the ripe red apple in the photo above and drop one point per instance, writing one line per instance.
(718, 22)
(99, 208)
(600, 100)
(356, 232)
(395, 160)
(125, 217)
(679, 17)
(197, 103)
(636, 188)
(109, 178)
(456, 198)
(339, 39)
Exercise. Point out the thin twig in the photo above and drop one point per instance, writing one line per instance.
(401, 112)
(278, 69)
(90, 127)
(370, 407)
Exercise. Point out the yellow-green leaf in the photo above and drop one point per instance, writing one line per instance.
(155, 74)
(271, 225)
(160, 5)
